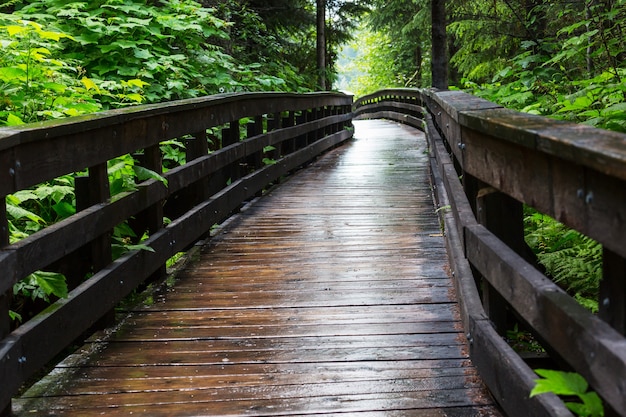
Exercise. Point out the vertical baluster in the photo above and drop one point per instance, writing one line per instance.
(290, 120)
(503, 216)
(310, 115)
(5, 301)
(301, 140)
(93, 189)
(152, 218)
(197, 147)
(230, 136)
(255, 160)
(612, 299)
(326, 111)
(4, 223)
(255, 129)
(274, 122)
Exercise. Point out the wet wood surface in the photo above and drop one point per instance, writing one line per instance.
(328, 295)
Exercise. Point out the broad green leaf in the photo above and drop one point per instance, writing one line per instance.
(143, 53)
(72, 112)
(56, 87)
(17, 213)
(12, 73)
(89, 84)
(140, 247)
(82, 108)
(16, 30)
(55, 36)
(593, 404)
(125, 44)
(21, 196)
(64, 209)
(12, 200)
(13, 120)
(15, 316)
(148, 174)
(134, 97)
(559, 383)
(54, 192)
(619, 107)
(137, 83)
(52, 283)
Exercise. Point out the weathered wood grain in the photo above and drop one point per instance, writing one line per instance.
(21, 353)
(599, 352)
(328, 295)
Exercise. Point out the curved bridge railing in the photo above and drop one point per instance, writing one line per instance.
(487, 162)
(227, 138)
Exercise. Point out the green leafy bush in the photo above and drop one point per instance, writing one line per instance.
(573, 260)
(569, 384)
(35, 82)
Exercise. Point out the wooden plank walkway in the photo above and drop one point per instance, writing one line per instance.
(327, 296)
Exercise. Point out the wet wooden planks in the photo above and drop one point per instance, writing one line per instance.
(327, 296)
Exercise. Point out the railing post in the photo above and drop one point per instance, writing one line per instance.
(151, 219)
(301, 140)
(5, 322)
(93, 189)
(274, 123)
(196, 147)
(289, 121)
(254, 129)
(503, 216)
(231, 136)
(311, 115)
(612, 298)
(5, 301)
(255, 160)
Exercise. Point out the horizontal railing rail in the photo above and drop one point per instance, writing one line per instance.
(487, 162)
(226, 137)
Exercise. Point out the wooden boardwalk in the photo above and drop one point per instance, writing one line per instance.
(330, 295)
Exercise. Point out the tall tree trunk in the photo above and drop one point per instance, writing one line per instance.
(439, 65)
(321, 43)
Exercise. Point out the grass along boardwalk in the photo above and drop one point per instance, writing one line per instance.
(329, 295)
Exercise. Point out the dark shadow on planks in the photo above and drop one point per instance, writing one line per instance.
(328, 295)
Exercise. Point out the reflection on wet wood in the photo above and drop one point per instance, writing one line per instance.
(329, 295)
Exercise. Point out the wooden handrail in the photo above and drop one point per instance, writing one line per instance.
(198, 194)
(572, 172)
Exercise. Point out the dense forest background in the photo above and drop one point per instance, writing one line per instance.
(60, 58)
(564, 59)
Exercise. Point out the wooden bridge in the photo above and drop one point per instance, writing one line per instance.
(340, 288)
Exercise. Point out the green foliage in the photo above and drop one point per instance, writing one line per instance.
(35, 82)
(484, 36)
(393, 47)
(574, 72)
(165, 45)
(267, 160)
(370, 64)
(573, 260)
(29, 211)
(572, 69)
(522, 341)
(569, 384)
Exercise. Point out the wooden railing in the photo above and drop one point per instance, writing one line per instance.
(487, 161)
(218, 176)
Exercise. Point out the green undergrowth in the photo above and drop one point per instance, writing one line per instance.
(572, 260)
